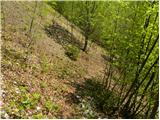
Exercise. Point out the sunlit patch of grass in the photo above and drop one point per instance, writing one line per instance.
(26, 102)
(12, 57)
(65, 73)
(51, 106)
(39, 116)
(72, 52)
(70, 71)
(12, 54)
(23, 88)
(45, 64)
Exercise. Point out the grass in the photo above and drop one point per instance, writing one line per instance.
(39, 116)
(51, 106)
(72, 52)
(45, 65)
(22, 100)
(13, 54)
(43, 84)
(65, 73)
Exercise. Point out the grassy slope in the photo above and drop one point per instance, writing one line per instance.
(40, 87)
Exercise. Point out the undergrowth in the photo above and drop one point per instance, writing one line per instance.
(72, 52)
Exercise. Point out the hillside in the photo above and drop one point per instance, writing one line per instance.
(79, 59)
(48, 78)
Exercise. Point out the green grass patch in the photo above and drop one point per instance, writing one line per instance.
(43, 84)
(45, 65)
(51, 106)
(39, 116)
(72, 52)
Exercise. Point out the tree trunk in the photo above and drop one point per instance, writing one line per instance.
(134, 83)
(34, 11)
(85, 44)
(135, 89)
(144, 91)
(155, 107)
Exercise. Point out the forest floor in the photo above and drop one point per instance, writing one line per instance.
(48, 84)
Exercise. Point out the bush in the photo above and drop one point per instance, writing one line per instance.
(72, 52)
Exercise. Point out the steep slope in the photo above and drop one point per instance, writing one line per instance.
(39, 86)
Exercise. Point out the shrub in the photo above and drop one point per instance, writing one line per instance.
(72, 52)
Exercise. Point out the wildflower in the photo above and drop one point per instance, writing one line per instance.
(17, 90)
(38, 108)
(1, 103)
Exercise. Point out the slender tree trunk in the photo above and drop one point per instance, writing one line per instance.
(32, 20)
(122, 87)
(141, 110)
(107, 79)
(137, 74)
(155, 107)
(126, 106)
(87, 26)
(30, 31)
(144, 91)
(110, 78)
(85, 44)
(147, 111)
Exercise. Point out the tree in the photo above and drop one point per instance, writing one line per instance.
(129, 33)
(83, 16)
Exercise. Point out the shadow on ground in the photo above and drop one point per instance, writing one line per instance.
(61, 36)
(93, 100)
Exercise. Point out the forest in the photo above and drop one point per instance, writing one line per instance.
(79, 59)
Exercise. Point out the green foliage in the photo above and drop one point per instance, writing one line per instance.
(39, 116)
(51, 106)
(82, 14)
(23, 88)
(13, 54)
(51, 3)
(26, 102)
(127, 30)
(65, 73)
(95, 96)
(43, 84)
(36, 96)
(87, 109)
(72, 52)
